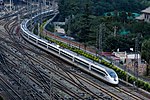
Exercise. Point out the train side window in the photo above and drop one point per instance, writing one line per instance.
(33, 39)
(25, 34)
(53, 49)
(42, 43)
(81, 63)
(66, 55)
(100, 72)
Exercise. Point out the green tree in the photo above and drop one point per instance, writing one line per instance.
(85, 25)
(141, 27)
(112, 43)
(85, 29)
(145, 52)
(123, 16)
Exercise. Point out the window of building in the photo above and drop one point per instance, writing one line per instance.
(145, 16)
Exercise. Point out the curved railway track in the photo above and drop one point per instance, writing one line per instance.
(98, 86)
(13, 95)
(8, 31)
(7, 51)
(72, 78)
(11, 31)
(31, 57)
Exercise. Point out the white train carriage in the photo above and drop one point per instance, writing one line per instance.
(97, 70)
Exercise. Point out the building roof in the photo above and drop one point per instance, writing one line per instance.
(60, 30)
(120, 54)
(141, 17)
(106, 53)
(147, 10)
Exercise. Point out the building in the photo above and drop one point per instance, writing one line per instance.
(59, 29)
(145, 16)
(129, 60)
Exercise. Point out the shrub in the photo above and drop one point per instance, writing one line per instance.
(131, 79)
(140, 83)
(146, 86)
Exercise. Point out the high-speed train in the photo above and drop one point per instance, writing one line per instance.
(83, 63)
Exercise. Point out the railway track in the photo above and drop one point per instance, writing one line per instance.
(132, 96)
(11, 31)
(20, 59)
(13, 95)
(7, 88)
(18, 78)
(2, 22)
(66, 75)
(72, 73)
(7, 30)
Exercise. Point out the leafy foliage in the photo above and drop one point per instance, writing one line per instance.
(146, 54)
(98, 7)
(87, 18)
(84, 25)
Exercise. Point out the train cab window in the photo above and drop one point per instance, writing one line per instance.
(112, 74)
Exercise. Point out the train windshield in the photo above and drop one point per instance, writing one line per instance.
(112, 74)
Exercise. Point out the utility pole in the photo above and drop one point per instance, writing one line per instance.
(19, 14)
(31, 13)
(40, 21)
(28, 5)
(100, 37)
(40, 12)
(115, 30)
(19, 18)
(53, 5)
(10, 5)
(38, 29)
(69, 22)
(136, 57)
(44, 1)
